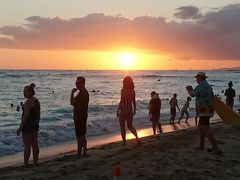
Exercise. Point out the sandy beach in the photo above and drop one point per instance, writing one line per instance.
(167, 156)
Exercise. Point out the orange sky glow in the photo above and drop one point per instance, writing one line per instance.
(100, 60)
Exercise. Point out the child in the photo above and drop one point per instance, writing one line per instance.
(185, 110)
(173, 104)
(154, 112)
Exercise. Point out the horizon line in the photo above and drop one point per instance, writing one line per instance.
(219, 69)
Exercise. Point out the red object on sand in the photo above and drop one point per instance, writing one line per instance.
(117, 172)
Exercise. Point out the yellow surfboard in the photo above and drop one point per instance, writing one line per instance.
(225, 113)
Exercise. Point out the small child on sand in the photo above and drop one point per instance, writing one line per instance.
(185, 110)
(154, 112)
(174, 104)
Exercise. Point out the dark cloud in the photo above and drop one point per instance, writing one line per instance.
(188, 12)
(216, 35)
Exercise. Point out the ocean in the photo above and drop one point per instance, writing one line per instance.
(53, 89)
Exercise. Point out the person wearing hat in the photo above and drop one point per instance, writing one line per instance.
(230, 94)
(204, 109)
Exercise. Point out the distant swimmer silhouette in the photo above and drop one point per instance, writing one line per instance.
(18, 108)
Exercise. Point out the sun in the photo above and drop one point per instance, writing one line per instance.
(127, 60)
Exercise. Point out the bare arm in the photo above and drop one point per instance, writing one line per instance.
(190, 91)
(189, 107)
(72, 99)
(118, 110)
(178, 107)
(149, 108)
(134, 104)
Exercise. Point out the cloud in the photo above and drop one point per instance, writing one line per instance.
(216, 35)
(188, 12)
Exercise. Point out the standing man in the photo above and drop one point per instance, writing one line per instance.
(204, 107)
(230, 94)
(80, 115)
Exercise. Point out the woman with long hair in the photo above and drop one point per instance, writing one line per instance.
(30, 124)
(127, 109)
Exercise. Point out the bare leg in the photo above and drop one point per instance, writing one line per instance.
(80, 146)
(157, 124)
(35, 148)
(123, 129)
(160, 128)
(132, 129)
(27, 137)
(187, 117)
(196, 123)
(170, 121)
(173, 118)
(154, 126)
(84, 140)
(182, 114)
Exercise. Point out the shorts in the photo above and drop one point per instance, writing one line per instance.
(204, 120)
(173, 111)
(155, 118)
(30, 127)
(81, 126)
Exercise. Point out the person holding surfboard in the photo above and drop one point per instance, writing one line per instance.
(230, 94)
(204, 107)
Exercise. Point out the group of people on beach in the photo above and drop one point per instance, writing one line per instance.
(125, 112)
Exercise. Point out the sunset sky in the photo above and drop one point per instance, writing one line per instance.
(107, 34)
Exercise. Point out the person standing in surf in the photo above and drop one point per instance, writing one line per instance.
(230, 94)
(127, 109)
(173, 108)
(80, 115)
(204, 107)
(154, 112)
(185, 110)
(30, 125)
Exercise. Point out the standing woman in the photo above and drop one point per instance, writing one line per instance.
(30, 124)
(127, 109)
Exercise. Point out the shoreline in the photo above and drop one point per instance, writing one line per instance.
(56, 151)
(166, 156)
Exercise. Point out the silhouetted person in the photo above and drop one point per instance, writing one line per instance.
(185, 110)
(173, 108)
(127, 109)
(204, 107)
(154, 112)
(30, 125)
(80, 105)
(230, 94)
(18, 108)
(11, 105)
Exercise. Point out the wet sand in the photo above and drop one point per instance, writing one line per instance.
(167, 156)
